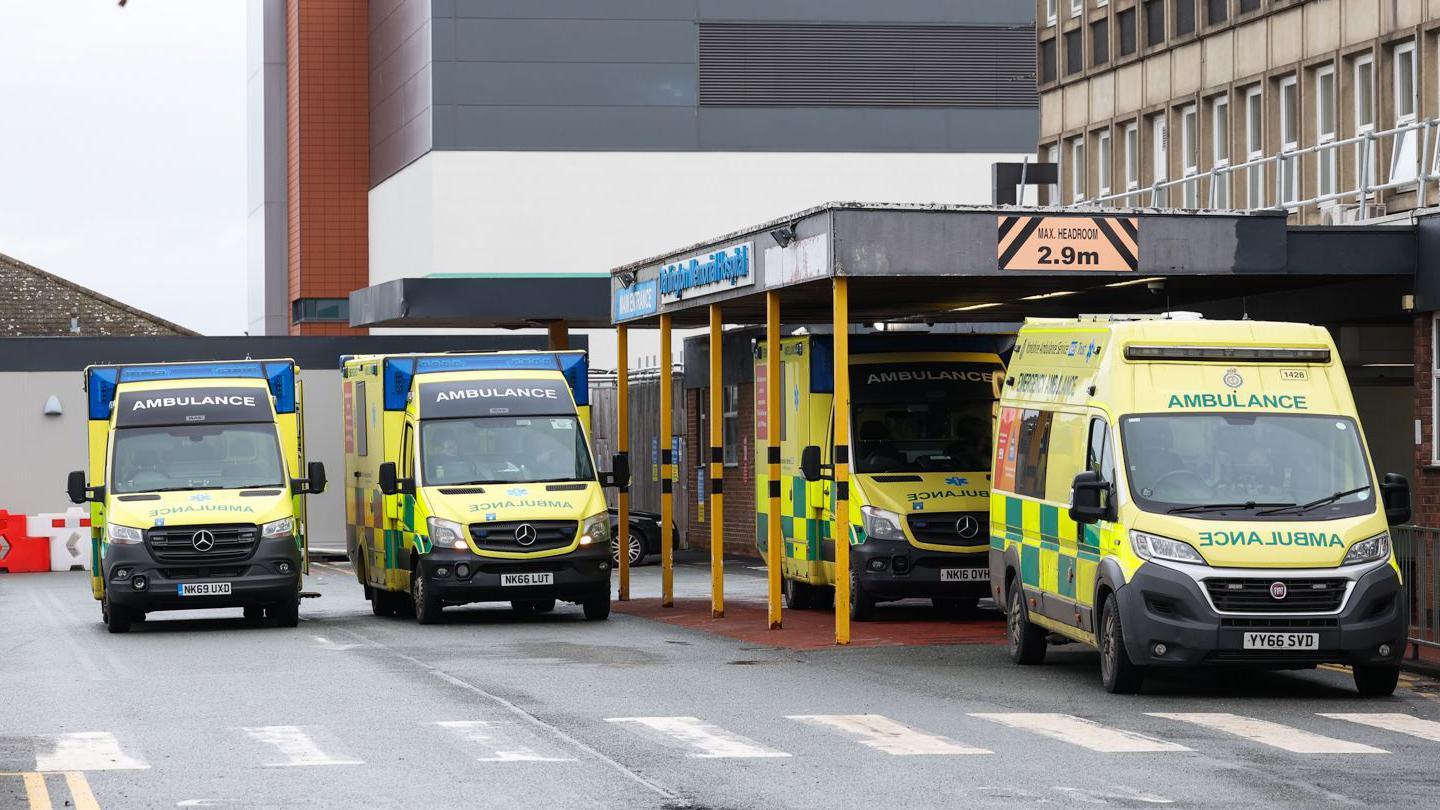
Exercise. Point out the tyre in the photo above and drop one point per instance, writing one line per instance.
(862, 604)
(254, 613)
(1376, 681)
(118, 618)
(138, 617)
(597, 608)
(422, 597)
(798, 595)
(382, 603)
(285, 614)
(1118, 673)
(636, 543)
(542, 605)
(1026, 640)
(956, 605)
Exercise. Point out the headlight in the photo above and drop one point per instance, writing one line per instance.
(446, 533)
(284, 527)
(123, 535)
(881, 524)
(595, 529)
(1155, 547)
(1375, 548)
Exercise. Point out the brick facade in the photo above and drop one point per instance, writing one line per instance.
(739, 479)
(1425, 483)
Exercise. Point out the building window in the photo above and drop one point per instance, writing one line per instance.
(1125, 21)
(1052, 191)
(1216, 11)
(1289, 139)
(1220, 151)
(1160, 155)
(1402, 160)
(320, 310)
(1184, 17)
(1132, 157)
(1077, 169)
(1247, 6)
(1365, 116)
(1050, 12)
(1100, 42)
(1154, 22)
(1076, 7)
(1327, 180)
(1254, 148)
(1074, 53)
(730, 424)
(1102, 162)
(1047, 61)
(1190, 155)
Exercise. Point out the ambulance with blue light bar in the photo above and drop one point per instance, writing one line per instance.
(1180, 492)
(195, 487)
(470, 479)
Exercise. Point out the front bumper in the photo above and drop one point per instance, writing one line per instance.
(255, 581)
(1166, 606)
(891, 570)
(580, 575)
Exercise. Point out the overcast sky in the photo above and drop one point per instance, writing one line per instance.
(122, 151)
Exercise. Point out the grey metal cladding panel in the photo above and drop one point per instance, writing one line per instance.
(400, 84)
(985, 12)
(1005, 129)
(406, 144)
(617, 128)
(862, 129)
(578, 9)
(491, 40)
(547, 84)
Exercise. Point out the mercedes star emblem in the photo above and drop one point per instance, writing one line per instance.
(202, 540)
(1278, 590)
(967, 526)
(525, 534)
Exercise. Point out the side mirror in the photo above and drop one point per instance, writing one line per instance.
(1088, 501)
(75, 487)
(316, 476)
(810, 463)
(619, 475)
(389, 481)
(1395, 495)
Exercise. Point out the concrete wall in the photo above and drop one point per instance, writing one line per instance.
(266, 271)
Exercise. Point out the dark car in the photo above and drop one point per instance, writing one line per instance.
(644, 536)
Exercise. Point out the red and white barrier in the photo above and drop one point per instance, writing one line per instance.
(68, 533)
(20, 552)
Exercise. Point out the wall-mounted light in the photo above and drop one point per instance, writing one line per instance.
(783, 235)
(52, 406)
(627, 279)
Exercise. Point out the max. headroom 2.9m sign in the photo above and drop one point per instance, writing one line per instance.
(708, 273)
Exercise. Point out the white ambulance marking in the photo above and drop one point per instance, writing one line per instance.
(1265, 732)
(883, 734)
(1393, 721)
(87, 751)
(296, 745)
(711, 741)
(499, 738)
(1078, 731)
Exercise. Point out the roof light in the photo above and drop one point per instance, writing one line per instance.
(1043, 296)
(1230, 354)
(975, 306)
(1132, 282)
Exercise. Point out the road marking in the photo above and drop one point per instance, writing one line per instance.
(81, 796)
(35, 791)
(883, 734)
(710, 741)
(1265, 732)
(1128, 795)
(296, 745)
(1078, 731)
(498, 738)
(326, 644)
(87, 751)
(329, 566)
(1392, 721)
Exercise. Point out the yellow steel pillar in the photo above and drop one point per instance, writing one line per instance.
(840, 527)
(667, 471)
(773, 543)
(559, 334)
(622, 445)
(717, 466)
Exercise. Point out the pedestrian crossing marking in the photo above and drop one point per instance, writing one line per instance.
(1268, 733)
(710, 741)
(87, 751)
(498, 739)
(1393, 721)
(35, 791)
(297, 745)
(1074, 730)
(883, 734)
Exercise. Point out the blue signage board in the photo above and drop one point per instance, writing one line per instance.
(711, 272)
(637, 301)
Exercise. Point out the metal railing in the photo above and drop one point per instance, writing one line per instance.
(1351, 166)
(1417, 548)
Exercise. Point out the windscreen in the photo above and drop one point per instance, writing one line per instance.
(917, 417)
(190, 457)
(503, 450)
(1263, 465)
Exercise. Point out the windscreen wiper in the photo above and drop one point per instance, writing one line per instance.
(1219, 507)
(1317, 503)
(178, 489)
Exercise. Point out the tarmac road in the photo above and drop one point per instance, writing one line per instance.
(199, 709)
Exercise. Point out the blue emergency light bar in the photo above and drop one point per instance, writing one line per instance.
(100, 381)
(399, 372)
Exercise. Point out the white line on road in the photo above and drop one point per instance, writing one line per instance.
(1265, 732)
(297, 745)
(1079, 731)
(87, 751)
(883, 734)
(1393, 721)
(710, 741)
(326, 644)
(499, 739)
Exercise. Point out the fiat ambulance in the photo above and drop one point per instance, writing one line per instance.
(1180, 492)
(196, 483)
(470, 479)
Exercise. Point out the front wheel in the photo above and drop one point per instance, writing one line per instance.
(285, 614)
(1376, 681)
(1118, 673)
(597, 608)
(862, 604)
(1026, 640)
(254, 613)
(117, 618)
(422, 597)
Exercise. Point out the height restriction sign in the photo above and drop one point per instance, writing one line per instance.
(1105, 244)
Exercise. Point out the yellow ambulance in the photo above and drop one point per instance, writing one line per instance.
(470, 479)
(193, 481)
(921, 408)
(1180, 492)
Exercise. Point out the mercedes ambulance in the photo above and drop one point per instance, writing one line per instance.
(194, 488)
(1181, 492)
(921, 408)
(471, 480)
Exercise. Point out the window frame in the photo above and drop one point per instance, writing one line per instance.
(1190, 155)
(1289, 167)
(1175, 6)
(1220, 149)
(1149, 8)
(1407, 48)
(1326, 181)
(1052, 9)
(1077, 169)
(1132, 14)
(1099, 29)
(730, 418)
(1132, 156)
(1159, 147)
(1255, 146)
(1103, 167)
(1077, 7)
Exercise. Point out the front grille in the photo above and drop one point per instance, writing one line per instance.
(177, 545)
(502, 535)
(1286, 623)
(1239, 595)
(1273, 656)
(943, 528)
(227, 572)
